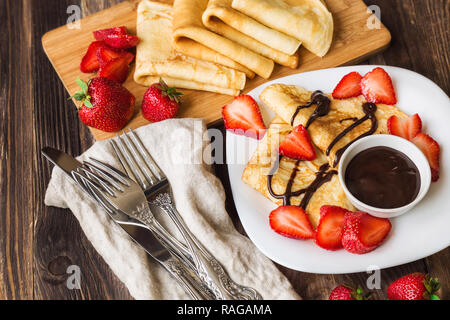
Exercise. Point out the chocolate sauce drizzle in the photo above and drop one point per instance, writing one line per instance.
(369, 110)
(349, 119)
(322, 176)
(323, 107)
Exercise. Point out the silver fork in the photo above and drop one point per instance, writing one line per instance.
(114, 189)
(139, 165)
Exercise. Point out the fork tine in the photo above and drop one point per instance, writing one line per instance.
(154, 168)
(122, 160)
(131, 163)
(108, 173)
(138, 158)
(90, 191)
(93, 177)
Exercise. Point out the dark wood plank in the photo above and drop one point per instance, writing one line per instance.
(17, 202)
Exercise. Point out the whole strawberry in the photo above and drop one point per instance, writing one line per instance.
(344, 292)
(414, 286)
(160, 102)
(107, 105)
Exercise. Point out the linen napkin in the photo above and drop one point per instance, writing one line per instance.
(180, 147)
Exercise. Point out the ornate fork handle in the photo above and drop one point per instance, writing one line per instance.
(222, 285)
(195, 288)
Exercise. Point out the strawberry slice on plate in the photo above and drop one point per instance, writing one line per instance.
(121, 41)
(243, 117)
(364, 233)
(406, 128)
(297, 145)
(101, 35)
(377, 87)
(90, 63)
(116, 70)
(331, 225)
(431, 150)
(348, 87)
(105, 55)
(291, 222)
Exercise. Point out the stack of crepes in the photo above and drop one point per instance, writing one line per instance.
(213, 45)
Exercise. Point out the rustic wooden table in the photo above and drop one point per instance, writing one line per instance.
(38, 243)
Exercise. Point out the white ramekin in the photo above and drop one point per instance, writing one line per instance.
(397, 143)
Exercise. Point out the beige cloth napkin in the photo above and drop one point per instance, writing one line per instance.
(178, 146)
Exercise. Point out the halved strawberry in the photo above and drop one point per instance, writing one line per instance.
(377, 87)
(101, 35)
(348, 87)
(297, 145)
(291, 222)
(331, 225)
(364, 233)
(242, 116)
(105, 55)
(431, 150)
(89, 63)
(406, 128)
(116, 70)
(122, 41)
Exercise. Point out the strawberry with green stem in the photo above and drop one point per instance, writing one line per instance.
(107, 105)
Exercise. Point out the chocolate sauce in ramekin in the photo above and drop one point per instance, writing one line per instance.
(383, 177)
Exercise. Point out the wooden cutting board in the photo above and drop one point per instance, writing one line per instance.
(353, 41)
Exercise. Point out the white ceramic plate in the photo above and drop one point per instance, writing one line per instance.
(415, 235)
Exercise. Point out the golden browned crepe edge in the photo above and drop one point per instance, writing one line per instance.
(176, 69)
(188, 26)
(280, 15)
(222, 19)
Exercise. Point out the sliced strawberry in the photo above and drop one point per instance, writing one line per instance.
(431, 150)
(331, 225)
(348, 87)
(105, 55)
(242, 116)
(291, 222)
(297, 145)
(406, 128)
(122, 41)
(364, 233)
(377, 87)
(101, 35)
(89, 63)
(116, 70)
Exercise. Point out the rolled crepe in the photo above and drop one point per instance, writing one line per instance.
(221, 18)
(193, 39)
(308, 21)
(156, 57)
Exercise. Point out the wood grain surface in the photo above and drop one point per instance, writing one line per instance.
(353, 41)
(37, 243)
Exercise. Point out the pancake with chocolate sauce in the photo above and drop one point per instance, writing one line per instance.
(309, 186)
(332, 124)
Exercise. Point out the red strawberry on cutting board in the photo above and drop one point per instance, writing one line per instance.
(107, 105)
(160, 102)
